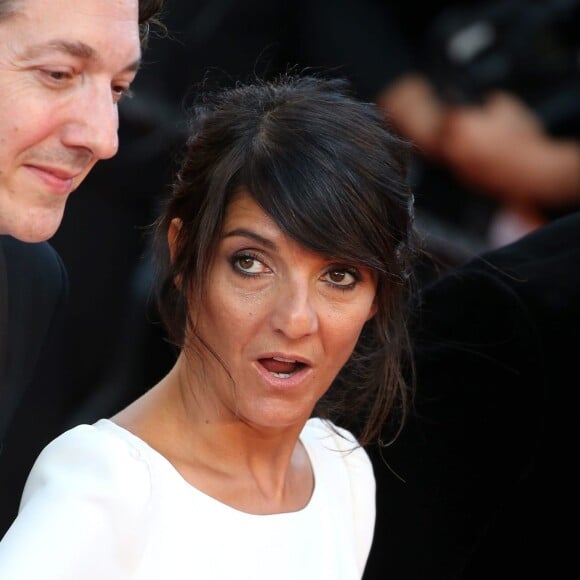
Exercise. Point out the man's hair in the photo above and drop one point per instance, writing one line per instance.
(8, 8)
(149, 11)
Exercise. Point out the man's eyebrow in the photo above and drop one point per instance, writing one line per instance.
(77, 49)
(243, 232)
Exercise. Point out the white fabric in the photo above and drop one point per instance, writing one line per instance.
(100, 504)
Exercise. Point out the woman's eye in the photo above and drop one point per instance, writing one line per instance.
(342, 277)
(248, 265)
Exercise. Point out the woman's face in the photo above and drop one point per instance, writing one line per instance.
(283, 319)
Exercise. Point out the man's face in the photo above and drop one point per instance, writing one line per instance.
(63, 68)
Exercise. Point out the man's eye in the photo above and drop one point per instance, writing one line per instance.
(58, 75)
(121, 92)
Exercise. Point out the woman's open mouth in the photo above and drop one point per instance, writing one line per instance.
(281, 368)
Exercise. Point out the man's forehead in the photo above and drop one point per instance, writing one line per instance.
(88, 29)
(74, 15)
(60, 7)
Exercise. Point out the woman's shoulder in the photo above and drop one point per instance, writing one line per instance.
(86, 503)
(344, 471)
(102, 438)
(87, 458)
(324, 430)
(326, 439)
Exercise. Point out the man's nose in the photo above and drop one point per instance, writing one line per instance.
(295, 313)
(94, 122)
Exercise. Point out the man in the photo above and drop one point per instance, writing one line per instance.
(63, 69)
(482, 481)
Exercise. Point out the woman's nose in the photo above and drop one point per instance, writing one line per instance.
(295, 313)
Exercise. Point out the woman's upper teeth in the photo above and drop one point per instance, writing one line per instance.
(281, 359)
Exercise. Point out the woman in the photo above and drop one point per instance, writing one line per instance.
(284, 257)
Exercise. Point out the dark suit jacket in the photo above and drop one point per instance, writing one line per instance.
(33, 285)
(488, 455)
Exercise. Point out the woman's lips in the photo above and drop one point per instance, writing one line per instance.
(281, 366)
(282, 372)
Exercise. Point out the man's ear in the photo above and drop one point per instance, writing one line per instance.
(173, 232)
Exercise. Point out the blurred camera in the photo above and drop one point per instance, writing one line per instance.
(528, 47)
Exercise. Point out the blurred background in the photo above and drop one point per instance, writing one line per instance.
(488, 93)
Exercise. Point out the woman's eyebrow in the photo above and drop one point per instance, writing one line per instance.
(245, 233)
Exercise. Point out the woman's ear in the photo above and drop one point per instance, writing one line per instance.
(173, 232)
(375, 304)
(373, 309)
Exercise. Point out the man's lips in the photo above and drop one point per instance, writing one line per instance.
(58, 179)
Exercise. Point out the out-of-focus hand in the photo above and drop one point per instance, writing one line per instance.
(415, 111)
(501, 148)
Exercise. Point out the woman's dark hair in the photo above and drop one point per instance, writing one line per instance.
(324, 166)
